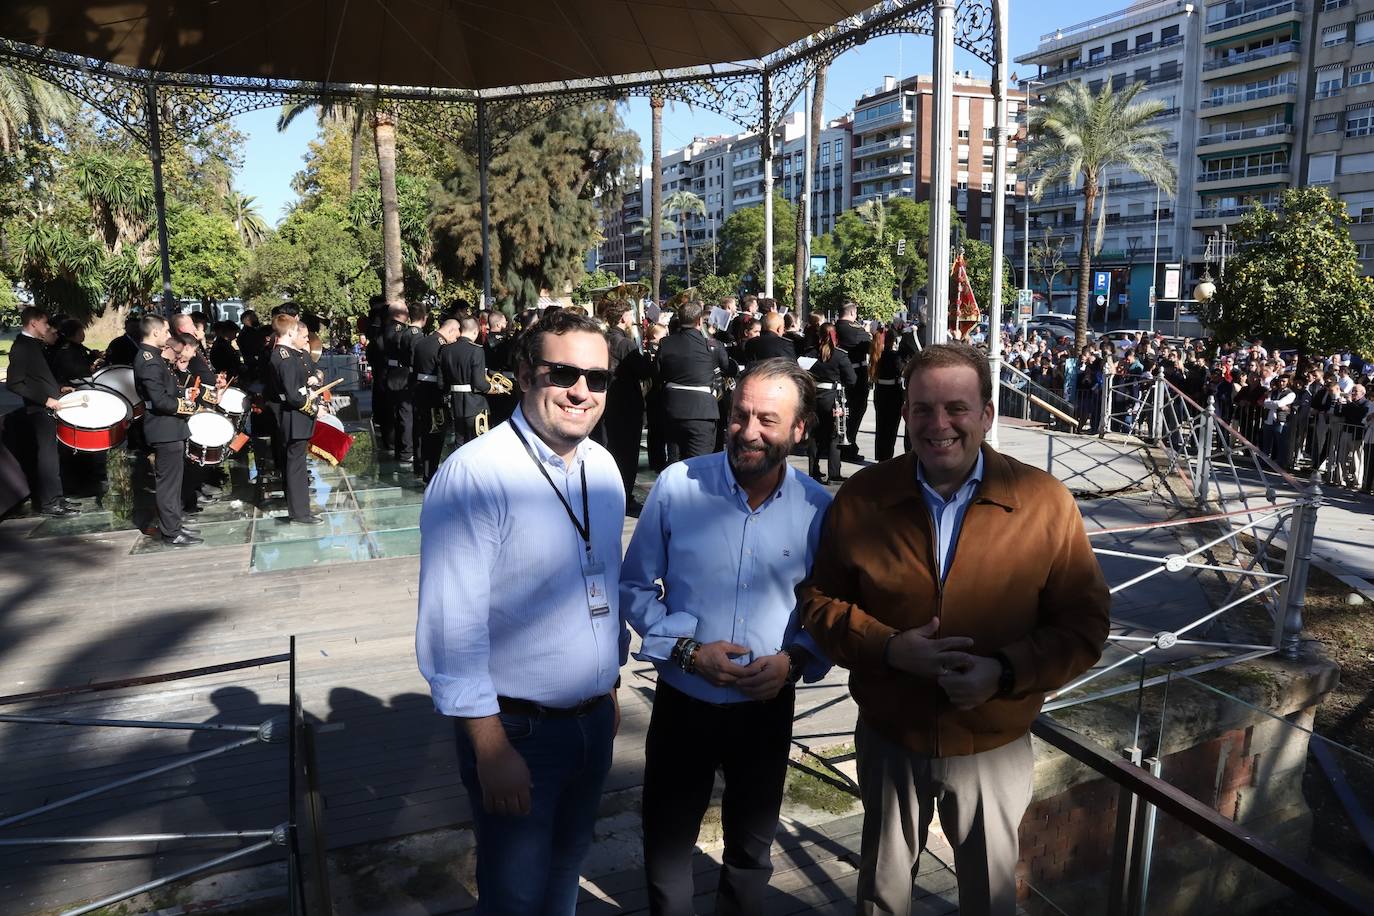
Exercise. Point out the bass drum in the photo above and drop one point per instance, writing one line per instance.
(211, 434)
(233, 403)
(120, 380)
(92, 420)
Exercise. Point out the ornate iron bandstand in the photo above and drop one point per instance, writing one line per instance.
(56, 42)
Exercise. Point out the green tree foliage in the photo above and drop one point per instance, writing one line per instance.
(1078, 133)
(207, 255)
(543, 217)
(741, 245)
(1295, 278)
(584, 292)
(864, 276)
(978, 263)
(682, 205)
(26, 103)
(62, 267)
(316, 259)
(873, 222)
(712, 288)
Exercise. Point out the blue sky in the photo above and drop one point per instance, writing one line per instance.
(271, 158)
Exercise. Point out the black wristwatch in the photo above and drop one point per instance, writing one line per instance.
(684, 654)
(797, 657)
(1006, 680)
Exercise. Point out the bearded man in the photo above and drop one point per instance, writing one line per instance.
(730, 535)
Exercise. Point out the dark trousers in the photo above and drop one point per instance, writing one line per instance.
(887, 405)
(38, 455)
(528, 866)
(690, 438)
(688, 741)
(402, 422)
(656, 437)
(296, 479)
(622, 440)
(191, 478)
(856, 396)
(823, 440)
(168, 473)
(430, 423)
(381, 410)
(465, 430)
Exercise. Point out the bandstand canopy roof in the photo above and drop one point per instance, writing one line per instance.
(450, 44)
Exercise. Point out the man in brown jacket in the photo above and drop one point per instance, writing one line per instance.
(958, 586)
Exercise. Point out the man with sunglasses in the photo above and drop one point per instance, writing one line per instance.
(519, 633)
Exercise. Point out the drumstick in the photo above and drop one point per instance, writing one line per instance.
(319, 391)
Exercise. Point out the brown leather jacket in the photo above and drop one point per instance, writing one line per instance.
(1022, 579)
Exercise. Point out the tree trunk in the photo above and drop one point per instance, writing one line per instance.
(355, 158)
(393, 285)
(801, 297)
(686, 256)
(1085, 265)
(656, 194)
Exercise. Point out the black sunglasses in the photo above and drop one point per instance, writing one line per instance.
(561, 375)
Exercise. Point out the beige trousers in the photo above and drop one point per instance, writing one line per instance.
(981, 799)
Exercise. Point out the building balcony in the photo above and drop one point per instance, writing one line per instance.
(1287, 52)
(1239, 139)
(1077, 67)
(881, 122)
(746, 179)
(1278, 173)
(883, 146)
(883, 171)
(1223, 103)
(747, 199)
(1253, 12)
(1215, 216)
(905, 191)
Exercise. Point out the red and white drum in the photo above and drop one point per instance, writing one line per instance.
(120, 380)
(233, 403)
(92, 420)
(328, 440)
(211, 434)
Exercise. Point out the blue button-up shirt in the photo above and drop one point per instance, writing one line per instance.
(729, 572)
(503, 599)
(947, 515)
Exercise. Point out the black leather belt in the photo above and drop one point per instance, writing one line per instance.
(530, 708)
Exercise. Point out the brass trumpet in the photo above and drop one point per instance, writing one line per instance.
(499, 383)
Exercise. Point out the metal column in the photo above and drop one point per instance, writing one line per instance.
(801, 300)
(153, 112)
(766, 155)
(941, 150)
(999, 205)
(483, 162)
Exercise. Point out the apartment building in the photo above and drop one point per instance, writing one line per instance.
(830, 178)
(892, 136)
(1252, 111)
(1159, 43)
(1340, 126)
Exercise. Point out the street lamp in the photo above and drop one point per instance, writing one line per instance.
(1025, 183)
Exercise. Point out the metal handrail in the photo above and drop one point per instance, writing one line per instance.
(1272, 861)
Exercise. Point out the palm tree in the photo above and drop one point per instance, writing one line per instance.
(802, 268)
(384, 135)
(27, 101)
(874, 215)
(1078, 133)
(353, 114)
(119, 192)
(684, 204)
(656, 190)
(250, 225)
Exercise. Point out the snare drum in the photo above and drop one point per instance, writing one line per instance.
(120, 380)
(233, 403)
(92, 420)
(328, 440)
(211, 434)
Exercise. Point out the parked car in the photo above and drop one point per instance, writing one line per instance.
(1052, 327)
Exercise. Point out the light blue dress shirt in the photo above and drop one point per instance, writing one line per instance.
(728, 572)
(947, 515)
(503, 599)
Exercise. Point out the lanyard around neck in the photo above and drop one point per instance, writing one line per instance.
(584, 527)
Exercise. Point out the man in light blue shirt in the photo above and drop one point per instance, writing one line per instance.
(729, 535)
(520, 634)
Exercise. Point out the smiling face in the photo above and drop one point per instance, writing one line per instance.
(764, 427)
(563, 417)
(948, 419)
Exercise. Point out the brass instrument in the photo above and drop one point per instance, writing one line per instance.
(482, 423)
(499, 383)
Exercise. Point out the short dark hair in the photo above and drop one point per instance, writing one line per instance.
(556, 321)
(781, 368)
(690, 314)
(186, 339)
(150, 323)
(32, 313)
(612, 312)
(951, 355)
(69, 328)
(286, 308)
(416, 311)
(467, 324)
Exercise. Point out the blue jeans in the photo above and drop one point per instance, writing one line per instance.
(528, 866)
